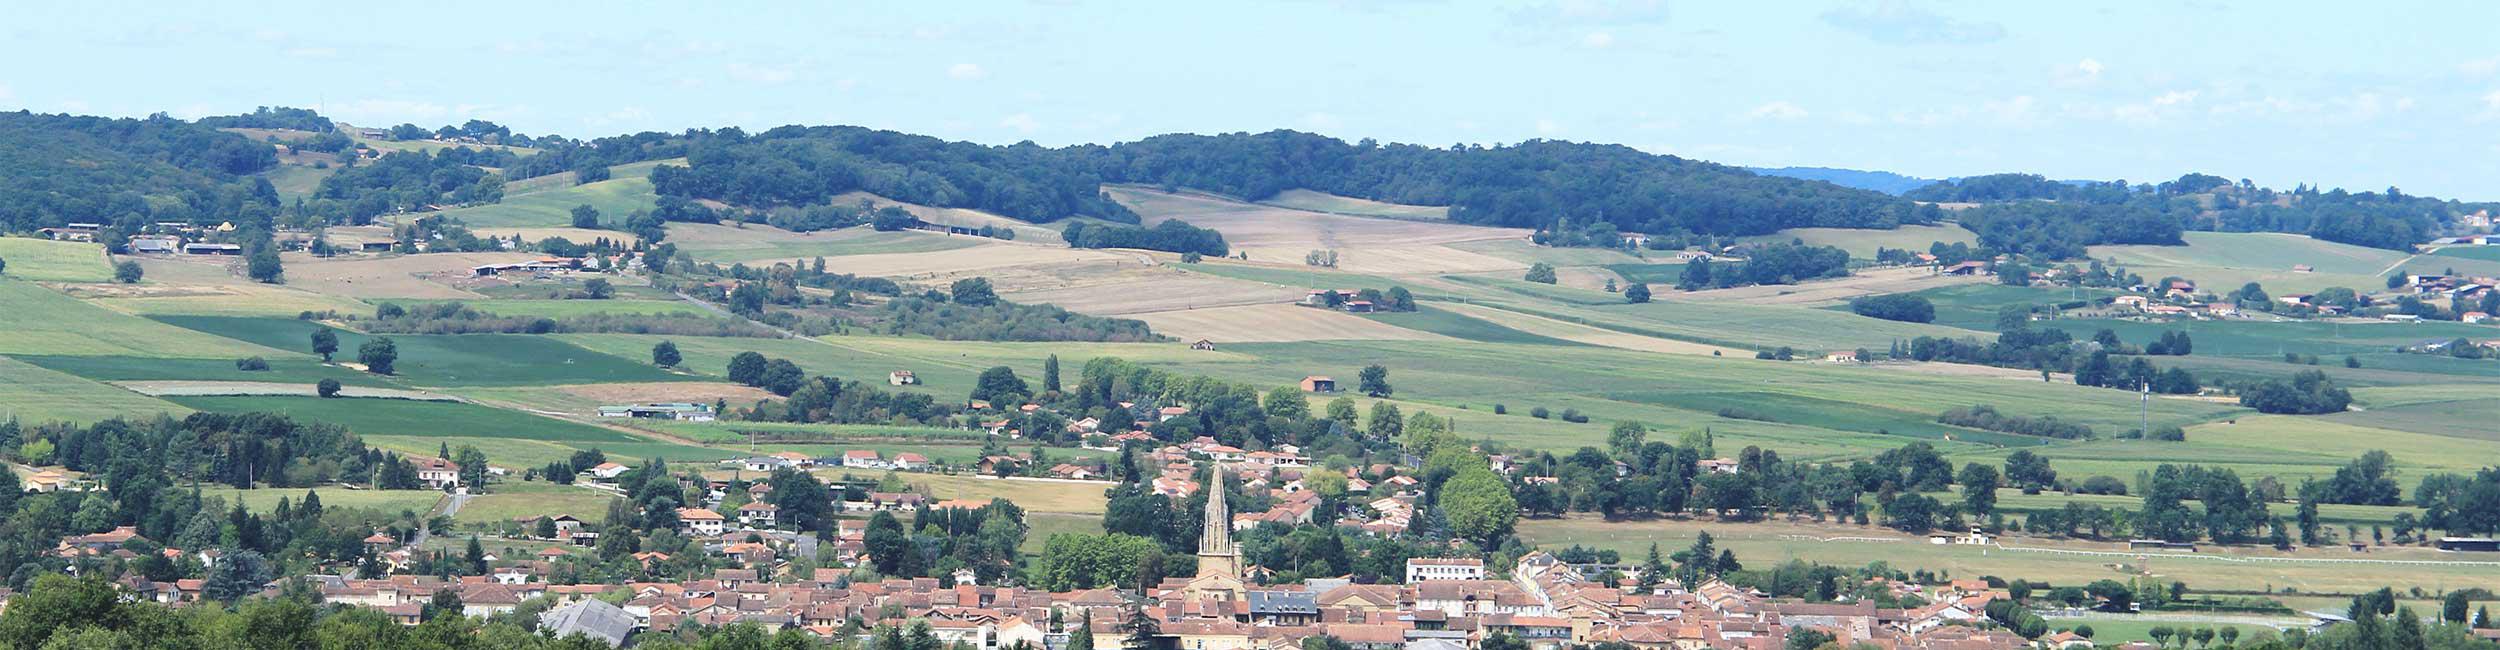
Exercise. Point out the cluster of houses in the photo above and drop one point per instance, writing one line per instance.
(541, 265)
(1444, 603)
(678, 411)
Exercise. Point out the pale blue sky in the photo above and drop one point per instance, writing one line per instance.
(2359, 95)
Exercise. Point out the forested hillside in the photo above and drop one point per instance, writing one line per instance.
(56, 169)
(1528, 185)
(2031, 214)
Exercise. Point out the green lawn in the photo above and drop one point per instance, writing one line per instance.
(398, 417)
(452, 360)
(34, 394)
(54, 261)
(511, 498)
(41, 321)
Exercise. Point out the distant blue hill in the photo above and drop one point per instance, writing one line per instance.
(1886, 182)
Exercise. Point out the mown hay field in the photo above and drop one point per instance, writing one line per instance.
(1275, 322)
(42, 321)
(452, 360)
(1363, 244)
(869, 252)
(54, 261)
(33, 394)
(1307, 200)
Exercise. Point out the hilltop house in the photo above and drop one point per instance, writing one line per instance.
(1318, 384)
(901, 378)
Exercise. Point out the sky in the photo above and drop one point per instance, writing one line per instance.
(2354, 95)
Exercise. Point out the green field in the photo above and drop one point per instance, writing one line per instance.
(2477, 253)
(41, 321)
(1656, 274)
(1459, 326)
(451, 360)
(1974, 306)
(34, 394)
(399, 417)
(510, 498)
(552, 207)
(54, 261)
(297, 181)
(2220, 262)
(293, 370)
(1719, 323)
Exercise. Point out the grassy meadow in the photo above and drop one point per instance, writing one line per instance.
(42, 321)
(451, 360)
(31, 393)
(54, 261)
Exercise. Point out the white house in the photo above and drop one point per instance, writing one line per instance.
(607, 471)
(1443, 568)
(700, 521)
(863, 459)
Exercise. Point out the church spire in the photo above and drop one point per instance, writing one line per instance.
(1216, 537)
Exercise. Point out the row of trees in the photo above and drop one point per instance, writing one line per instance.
(1173, 235)
(1781, 263)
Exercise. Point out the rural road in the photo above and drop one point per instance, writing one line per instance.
(425, 529)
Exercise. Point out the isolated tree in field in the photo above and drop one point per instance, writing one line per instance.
(1050, 374)
(1400, 299)
(1638, 293)
(1541, 273)
(585, 217)
(263, 266)
(664, 353)
(378, 355)
(598, 289)
(746, 368)
(325, 343)
(1979, 489)
(128, 272)
(327, 388)
(973, 291)
(4, 266)
(1376, 381)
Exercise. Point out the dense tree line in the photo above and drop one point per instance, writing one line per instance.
(411, 181)
(1174, 235)
(127, 173)
(1985, 417)
(795, 165)
(2029, 214)
(2308, 392)
(272, 117)
(1896, 307)
(459, 318)
(939, 316)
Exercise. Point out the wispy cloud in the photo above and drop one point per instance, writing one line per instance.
(1321, 120)
(1898, 23)
(1598, 40)
(1777, 110)
(762, 74)
(1021, 122)
(966, 71)
(2082, 73)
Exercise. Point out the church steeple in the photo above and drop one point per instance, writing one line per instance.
(1219, 559)
(1216, 535)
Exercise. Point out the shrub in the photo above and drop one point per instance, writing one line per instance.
(1896, 307)
(327, 388)
(1540, 413)
(251, 364)
(1574, 416)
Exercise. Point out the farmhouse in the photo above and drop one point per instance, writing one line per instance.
(211, 249)
(436, 472)
(901, 378)
(533, 266)
(863, 459)
(1318, 384)
(1203, 345)
(2137, 302)
(908, 461)
(1965, 268)
(1359, 307)
(607, 471)
(376, 246)
(680, 411)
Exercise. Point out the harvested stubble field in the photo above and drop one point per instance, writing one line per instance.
(1818, 293)
(1307, 200)
(958, 217)
(1122, 287)
(761, 245)
(1862, 243)
(429, 275)
(220, 294)
(1363, 244)
(1275, 322)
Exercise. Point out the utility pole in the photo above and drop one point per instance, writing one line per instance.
(2144, 405)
